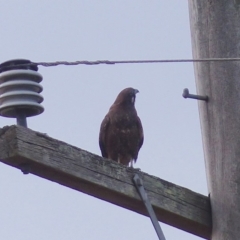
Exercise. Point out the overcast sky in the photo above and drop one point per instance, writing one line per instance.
(76, 99)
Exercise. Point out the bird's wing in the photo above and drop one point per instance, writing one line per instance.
(102, 135)
(141, 135)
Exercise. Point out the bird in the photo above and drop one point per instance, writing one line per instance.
(121, 132)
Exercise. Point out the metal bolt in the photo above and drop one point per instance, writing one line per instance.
(186, 94)
(25, 168)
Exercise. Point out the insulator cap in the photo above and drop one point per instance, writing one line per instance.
(17, 64)
(19, 89)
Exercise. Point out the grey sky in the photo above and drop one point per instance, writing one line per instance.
(76, 98)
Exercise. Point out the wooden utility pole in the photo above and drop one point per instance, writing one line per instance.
(215, 30)
(39, 154)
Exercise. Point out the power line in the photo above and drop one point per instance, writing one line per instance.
(50, 64)
(107, 62)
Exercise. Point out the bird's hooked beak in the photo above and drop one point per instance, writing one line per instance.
(136, 91)
(133, 97)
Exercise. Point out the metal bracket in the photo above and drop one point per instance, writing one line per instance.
(139, 185)
(186, 94)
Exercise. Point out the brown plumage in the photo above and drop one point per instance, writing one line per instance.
(121, 132)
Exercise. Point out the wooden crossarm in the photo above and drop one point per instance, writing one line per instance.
(83, 171)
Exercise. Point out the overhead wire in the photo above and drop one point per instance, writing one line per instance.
(108, 62)
(50, 64)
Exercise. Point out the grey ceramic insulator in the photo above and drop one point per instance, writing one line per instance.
(19, 93)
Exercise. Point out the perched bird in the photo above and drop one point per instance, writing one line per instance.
(121, 132)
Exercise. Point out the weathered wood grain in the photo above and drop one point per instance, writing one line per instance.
(215, 30)
(91, 174)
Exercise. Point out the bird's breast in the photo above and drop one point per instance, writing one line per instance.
(123, 122)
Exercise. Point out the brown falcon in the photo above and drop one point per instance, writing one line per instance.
(121, 132)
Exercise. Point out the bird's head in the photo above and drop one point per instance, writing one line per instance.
(126, 97)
